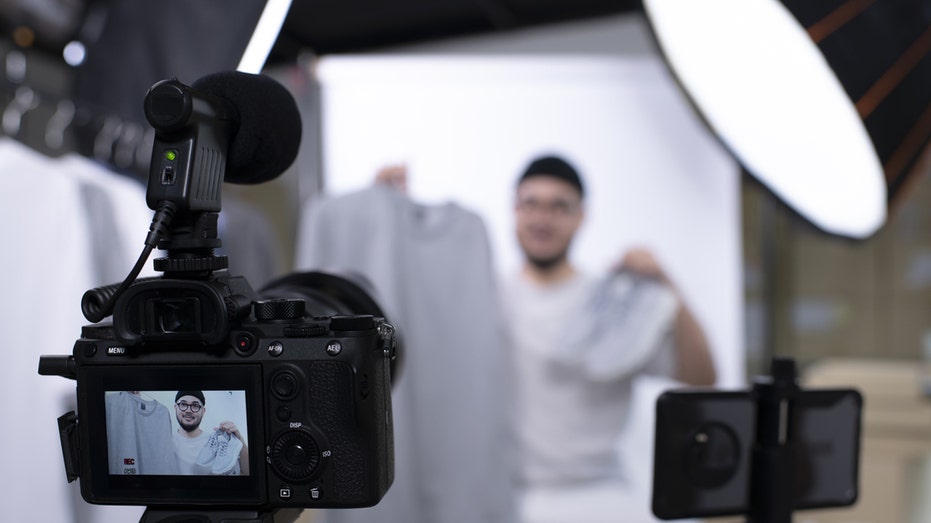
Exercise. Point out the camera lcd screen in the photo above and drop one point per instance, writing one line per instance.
(177, 432)
(146, 449)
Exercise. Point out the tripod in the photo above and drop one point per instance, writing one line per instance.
(161, 515)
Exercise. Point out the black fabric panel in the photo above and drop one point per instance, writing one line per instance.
(339, 26)
(144, 42)
(808, 13)
(862, 50)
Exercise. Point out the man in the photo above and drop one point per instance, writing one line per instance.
(570, 411)
(223, 451)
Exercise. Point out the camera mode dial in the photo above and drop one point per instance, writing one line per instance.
(279, 309)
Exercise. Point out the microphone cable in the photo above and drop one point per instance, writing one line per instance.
(97, 304)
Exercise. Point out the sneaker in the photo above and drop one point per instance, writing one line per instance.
(208, 453)
(621, 327)
(638, 332)
(228, 449)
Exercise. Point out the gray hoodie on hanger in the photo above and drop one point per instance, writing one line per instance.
(432, 272)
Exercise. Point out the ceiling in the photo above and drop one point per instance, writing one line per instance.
(342, 26)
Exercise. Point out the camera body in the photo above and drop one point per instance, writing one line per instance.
(203, 399)
(312, 393)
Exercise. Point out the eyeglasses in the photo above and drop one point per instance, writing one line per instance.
(555, 207)
(193, 407)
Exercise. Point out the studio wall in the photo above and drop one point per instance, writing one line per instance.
(466, 126)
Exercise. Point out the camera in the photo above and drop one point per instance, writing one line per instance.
(292, 383)
(313, 394)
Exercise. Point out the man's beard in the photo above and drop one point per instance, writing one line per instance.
(189, 427)
(549, 263)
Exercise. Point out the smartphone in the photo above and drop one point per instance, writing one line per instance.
(704, 447)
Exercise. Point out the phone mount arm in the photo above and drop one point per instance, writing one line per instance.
(772, 484)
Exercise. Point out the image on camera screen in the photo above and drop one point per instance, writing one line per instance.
(177, 432)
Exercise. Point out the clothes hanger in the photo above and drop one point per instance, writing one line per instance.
(142, 394)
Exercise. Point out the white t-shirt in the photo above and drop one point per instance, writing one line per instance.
(568, 420)
(187, 449)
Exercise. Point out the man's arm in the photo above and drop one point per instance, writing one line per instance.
(694, 363)
(230, 428)
(244, 459)
(693, 355)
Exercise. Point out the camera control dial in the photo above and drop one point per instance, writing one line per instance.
(279, 309)
(296, 455)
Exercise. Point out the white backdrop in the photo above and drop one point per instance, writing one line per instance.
(467, 126)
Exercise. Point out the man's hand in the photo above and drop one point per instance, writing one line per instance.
(694, 361)
(230, 428)
(394, 176)
(641, 261)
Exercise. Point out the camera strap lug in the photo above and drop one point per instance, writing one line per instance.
(386, 332)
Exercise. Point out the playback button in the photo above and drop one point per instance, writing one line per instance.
(285, 493)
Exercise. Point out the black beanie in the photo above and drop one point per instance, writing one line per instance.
(196, 393)
(555, 167)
